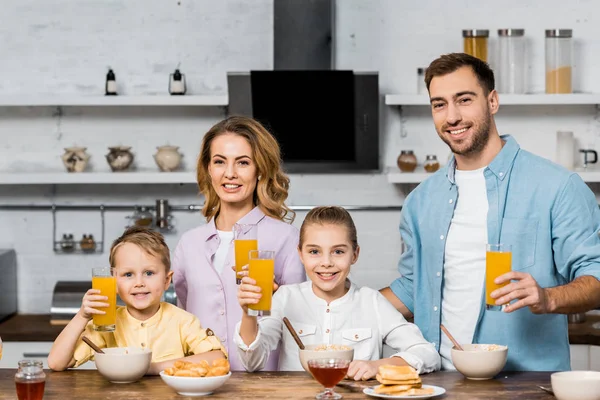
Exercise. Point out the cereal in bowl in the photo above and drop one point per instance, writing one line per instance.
(200, 369)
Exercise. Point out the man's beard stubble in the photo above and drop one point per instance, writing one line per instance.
(479, 139)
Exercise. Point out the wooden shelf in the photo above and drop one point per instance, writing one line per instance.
(95, 178)
(103, 101)
(505, 99)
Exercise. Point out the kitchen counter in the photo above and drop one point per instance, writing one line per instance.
(29, 328)
(275, 385)
(37, 328)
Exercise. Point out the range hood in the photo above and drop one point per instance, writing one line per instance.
(325, 120)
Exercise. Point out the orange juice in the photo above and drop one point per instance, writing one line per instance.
(242, 248)
(496, 263)
(263, 271)
(108, 287)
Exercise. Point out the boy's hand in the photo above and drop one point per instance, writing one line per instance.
(248, 293)
(92, 300)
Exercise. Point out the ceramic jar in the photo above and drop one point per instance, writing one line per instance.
(75, 159)
(168, 158)
(119, 158)
(407, 161)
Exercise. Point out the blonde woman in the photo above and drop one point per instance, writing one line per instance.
(240, 176)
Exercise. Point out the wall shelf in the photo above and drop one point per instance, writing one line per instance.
(395, 176)
(103, 101)
(505, 99)
(66, 178)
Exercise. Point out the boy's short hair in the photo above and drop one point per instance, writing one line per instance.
(151, 241)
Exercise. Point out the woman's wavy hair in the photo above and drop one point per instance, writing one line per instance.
(272, 187)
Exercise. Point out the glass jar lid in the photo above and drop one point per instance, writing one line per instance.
(511, 32)
(475, 33)
(431, 157)
(406, 152)
(421, 71)
(559, 33)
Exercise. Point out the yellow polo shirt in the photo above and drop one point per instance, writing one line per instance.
(170, 333)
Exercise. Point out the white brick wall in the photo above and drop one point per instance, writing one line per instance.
(64, 47)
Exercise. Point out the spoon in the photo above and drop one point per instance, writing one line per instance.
(545, 389)
(288, 324)
(92, 345)
(456, 344)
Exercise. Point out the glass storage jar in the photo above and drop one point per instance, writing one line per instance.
(407, 161)
(559, 61)
(431, 163)
(511, 61)
(421, 88)
(30, 380)
(475, 42)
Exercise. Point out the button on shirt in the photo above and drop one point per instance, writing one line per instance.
(170, 333)
(362, 319)
(212, 296)
(550, 218)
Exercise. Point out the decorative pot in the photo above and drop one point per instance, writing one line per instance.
(75, 159)
(168, 158)
(119, 158)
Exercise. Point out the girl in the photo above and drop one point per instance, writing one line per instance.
(240, 176)
(330, 309)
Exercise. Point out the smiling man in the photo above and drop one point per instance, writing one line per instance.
(492, 191)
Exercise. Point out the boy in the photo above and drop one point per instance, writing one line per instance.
(141, 263)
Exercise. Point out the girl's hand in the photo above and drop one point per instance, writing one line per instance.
(91, 302)
(360, 370)
(244, 272)
(248, 293)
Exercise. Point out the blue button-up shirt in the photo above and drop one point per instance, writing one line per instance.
(546, 213)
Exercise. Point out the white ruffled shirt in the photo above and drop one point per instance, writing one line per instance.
(362, 318)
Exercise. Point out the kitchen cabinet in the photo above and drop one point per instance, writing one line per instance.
(13, 352)
(585, 357)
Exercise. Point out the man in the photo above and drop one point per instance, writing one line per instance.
(492, 191)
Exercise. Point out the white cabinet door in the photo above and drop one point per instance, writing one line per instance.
(595, 358)
(580, 357)
(13, 352)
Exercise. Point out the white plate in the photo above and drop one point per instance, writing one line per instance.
(436, 392)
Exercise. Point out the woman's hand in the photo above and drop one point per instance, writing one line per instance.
(248, 293)
(91, 302)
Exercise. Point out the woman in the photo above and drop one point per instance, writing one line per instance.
(240, 176)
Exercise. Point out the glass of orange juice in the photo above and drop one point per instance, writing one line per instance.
(498, 261)
(104, 280)
(262, 270)
(245, 239)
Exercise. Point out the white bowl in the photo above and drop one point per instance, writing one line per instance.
(479, 361)
(192, 386)
(309, 353)
(576, 385)
(123, 364)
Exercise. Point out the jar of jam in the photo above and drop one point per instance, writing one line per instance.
(431, 163)
(30, 380)
(407, 161)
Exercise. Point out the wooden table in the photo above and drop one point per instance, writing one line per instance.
(89, 384)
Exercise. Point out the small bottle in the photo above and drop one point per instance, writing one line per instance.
(431, 163)
(30, 380)
(421, 88)
(111, 83)
(67, 244)
(407, 161)
(177, 83)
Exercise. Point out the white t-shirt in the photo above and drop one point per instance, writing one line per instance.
(362, 319)
(220, 256)
(464, 266)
